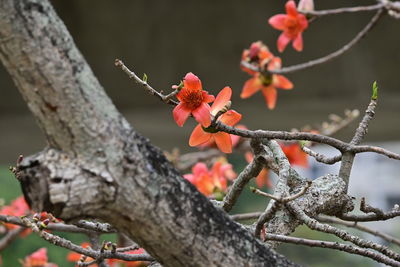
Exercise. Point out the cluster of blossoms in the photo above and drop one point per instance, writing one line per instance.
(258, 61)
(194, 100)
(75, 257)
(214, 182)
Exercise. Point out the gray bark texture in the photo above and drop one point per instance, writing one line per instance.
(97, 166)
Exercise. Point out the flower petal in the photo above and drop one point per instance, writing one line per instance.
(223, 141)
(251, 86)
(275, 63)
(298, 42)
(198, 136)
(181, 113)
(230, 117)
(223, 97)
(199, 168)
(278, 21)
(270, 96)
(207, 98)
(192, 81)
(202, 114)
(263, 179)
(291, 9)
(282, 42)
(280, 81)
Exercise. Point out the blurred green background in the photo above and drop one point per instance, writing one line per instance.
(167, 39)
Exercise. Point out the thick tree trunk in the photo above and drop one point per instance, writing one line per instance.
(97, 166)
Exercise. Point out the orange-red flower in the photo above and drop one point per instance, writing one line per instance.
(18, 207)
(263, 177)
(292, 24)
(193, 100)
(38, 259)
(258, 55)
(201, 135)
(295, 155)
(210, 181)
(267, 83)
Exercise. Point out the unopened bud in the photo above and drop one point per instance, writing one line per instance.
(306, 6)
(43, 224)
(36, 217)
(226, 107)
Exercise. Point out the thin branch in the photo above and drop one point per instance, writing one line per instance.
(320, 157)
(363, 228)
(64, 243)
(337, 53)
(167, 99)
(251, 171)
(320, 13)
(334, 245)
(267, 215)
(348, 156)
(283, 135)
(245, 216)
(10, 237)
(283, 200)
(395, 212)
(326, 228)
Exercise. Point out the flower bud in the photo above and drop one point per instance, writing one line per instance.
(306, 6)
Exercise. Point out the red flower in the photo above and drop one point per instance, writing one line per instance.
(292, 24)
(267, 84)
(263, 177)
(258, 55)
(38, 259)
(201, 135)
(18, 207)
(210, 181)
(295, 155)
(193, 100)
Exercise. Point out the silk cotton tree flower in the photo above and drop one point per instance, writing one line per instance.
(267, 83)
(292, 24)
(257, 55)
(211, 182)
(202, 135)
(193, 100)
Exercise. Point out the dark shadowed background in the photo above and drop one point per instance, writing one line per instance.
(167, 39)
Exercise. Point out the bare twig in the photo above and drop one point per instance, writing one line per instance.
(348, 156)
(363, 228)
(320, 157)
(395, 212)
(320, 13)
(246, 216)
(251, 171)
(334, 245)
(10, 237)
(165, 98)
(326, 228)
(62, 242)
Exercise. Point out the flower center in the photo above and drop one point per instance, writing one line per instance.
(291, 25)
(193, 98)
(266, 79)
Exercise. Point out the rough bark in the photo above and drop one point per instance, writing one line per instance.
(97, 166)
